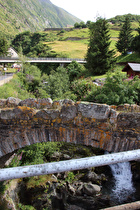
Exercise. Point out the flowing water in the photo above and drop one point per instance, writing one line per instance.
(123, 187)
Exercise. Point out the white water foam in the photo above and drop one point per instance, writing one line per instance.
(123, 181)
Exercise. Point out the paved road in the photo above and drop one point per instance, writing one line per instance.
(5, 78)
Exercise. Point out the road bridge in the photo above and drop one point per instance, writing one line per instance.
(42, 60)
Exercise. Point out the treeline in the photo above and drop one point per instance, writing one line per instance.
(127, 42)
(32, 44)
(119, 19)
(82, 24)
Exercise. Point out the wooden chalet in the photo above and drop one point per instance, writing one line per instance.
(132, 69)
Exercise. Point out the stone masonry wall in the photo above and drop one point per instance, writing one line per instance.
(40, 120)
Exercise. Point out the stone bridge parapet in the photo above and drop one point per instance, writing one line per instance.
(40, 120)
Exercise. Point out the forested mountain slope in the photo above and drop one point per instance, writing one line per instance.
(119, 19)
(19, 15)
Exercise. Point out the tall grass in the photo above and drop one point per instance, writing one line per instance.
(15, 89)
(135, 57)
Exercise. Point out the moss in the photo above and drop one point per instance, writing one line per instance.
(2, 187)
(39, 181)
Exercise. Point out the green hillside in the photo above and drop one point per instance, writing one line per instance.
(74, 43)
(18, 15)
(119, 19)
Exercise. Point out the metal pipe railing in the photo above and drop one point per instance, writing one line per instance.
(68, 165)
(43, 58)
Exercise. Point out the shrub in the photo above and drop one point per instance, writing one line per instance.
(15, 89)
(70, 177)
(25, 207)
(82, 88)
(117, 90)
(35, 154)
(74, 70)
(58, 83)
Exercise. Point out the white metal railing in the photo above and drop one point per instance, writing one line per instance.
(4, 59)
(68, 165)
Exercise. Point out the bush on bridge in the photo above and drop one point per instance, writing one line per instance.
(35, 154)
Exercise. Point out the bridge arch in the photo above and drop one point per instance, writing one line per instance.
(31, 121)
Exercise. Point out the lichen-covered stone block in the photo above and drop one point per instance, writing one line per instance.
(2, 103)
(45, 103)
(12, 102)
(92, 110)
(68, 112)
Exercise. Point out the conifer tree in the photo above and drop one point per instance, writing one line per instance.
(136, 41)
(99, 57)
(125, 37)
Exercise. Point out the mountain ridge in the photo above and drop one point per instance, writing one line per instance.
(19, 15)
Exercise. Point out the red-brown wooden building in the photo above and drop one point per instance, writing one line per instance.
(132, 69)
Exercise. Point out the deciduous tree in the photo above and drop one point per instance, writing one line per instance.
(58, 83)
(3, 46)
(74, 70)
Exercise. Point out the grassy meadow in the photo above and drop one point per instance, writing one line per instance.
(71, 44)
(69, 49)
(74, 43)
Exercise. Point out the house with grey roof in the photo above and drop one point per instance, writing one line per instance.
(12, 53)
(132, 69)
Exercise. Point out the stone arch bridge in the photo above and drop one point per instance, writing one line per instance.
(40, 120)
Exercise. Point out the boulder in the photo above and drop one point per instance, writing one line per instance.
(56, 156)
(91, 189)
(71, 189)
(79, 190)
(91, 176)
(94, 178)
(66, 157)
